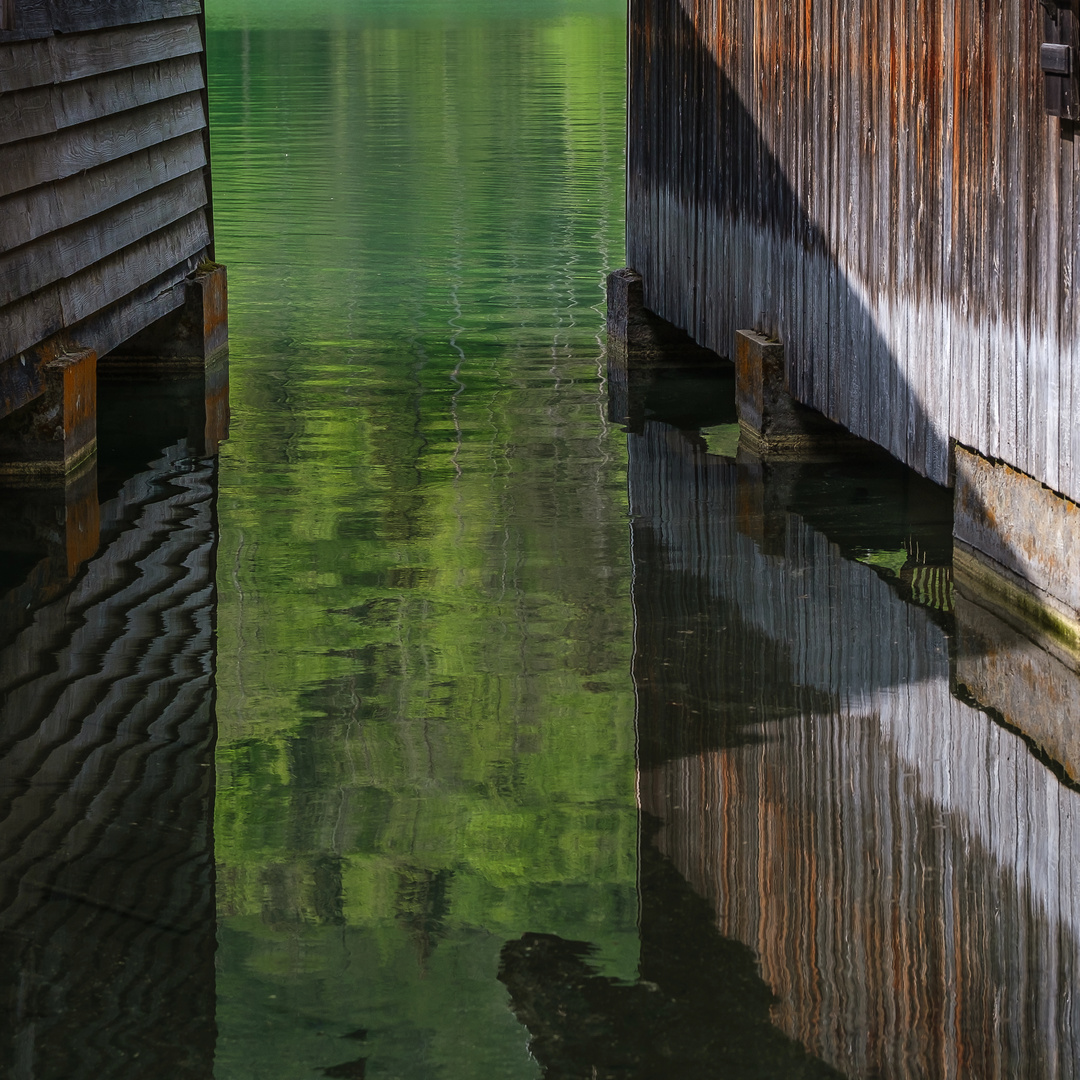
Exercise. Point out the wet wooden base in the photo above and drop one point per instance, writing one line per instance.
(1017, 549)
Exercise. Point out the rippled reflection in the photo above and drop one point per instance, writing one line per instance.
(902, 865)
(107, 913)
(426, 713)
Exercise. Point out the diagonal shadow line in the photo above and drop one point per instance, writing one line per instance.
(701, 153)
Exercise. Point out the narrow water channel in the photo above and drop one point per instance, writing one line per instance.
(474, 714)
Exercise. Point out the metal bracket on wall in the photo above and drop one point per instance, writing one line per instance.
(1059, 58)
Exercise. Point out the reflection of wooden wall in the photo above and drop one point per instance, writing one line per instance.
(106, 795)
(879, 186)
(906, 870)
(104, 200)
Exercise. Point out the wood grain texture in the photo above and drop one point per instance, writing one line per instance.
(59, 307)
(37, 19)
(43, 110)
(52, 157)
(63, 254)
(877, 184)
(42, 210)
(80, 56)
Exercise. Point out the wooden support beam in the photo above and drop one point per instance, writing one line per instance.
(773, 423)
(189, 337)
(57, 430)
(641, 347)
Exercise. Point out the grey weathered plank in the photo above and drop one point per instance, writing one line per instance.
(42, 210)
(79, 56)
(52, 157)
(30, 321)
(24, 64)
(72, 16)
(63, 254)
(33, 18)
(42, 110)
(43, 18)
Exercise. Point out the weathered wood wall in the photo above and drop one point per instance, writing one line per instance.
(905, 868)
(877, 184)
(104, 174)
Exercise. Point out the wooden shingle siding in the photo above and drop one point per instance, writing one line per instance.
(70, 300)
(104, 169)
(877, 184)
(65, 59)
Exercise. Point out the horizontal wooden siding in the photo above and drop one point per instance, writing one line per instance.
(104, 183)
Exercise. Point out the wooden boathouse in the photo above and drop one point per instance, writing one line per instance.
(872, 205)
(106, 230)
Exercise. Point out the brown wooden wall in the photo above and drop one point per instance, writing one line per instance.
(104, 173)
(877, 184)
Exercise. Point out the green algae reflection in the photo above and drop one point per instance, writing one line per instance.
(426, 723)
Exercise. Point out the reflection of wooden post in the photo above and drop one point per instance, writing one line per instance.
(51, 529)
(7, 14)
(57, 430)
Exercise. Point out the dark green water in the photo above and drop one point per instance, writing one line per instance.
(426, 715)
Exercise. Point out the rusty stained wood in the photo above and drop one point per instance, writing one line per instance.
(877, 184)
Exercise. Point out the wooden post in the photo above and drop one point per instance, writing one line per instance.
(192, 340)
(193, 335)
(57, 430)
(640, 346)
(772, 421)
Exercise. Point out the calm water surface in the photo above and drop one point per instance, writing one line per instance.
(426, 740)
(473, 714)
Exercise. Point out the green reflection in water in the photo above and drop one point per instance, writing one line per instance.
(426, 741)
